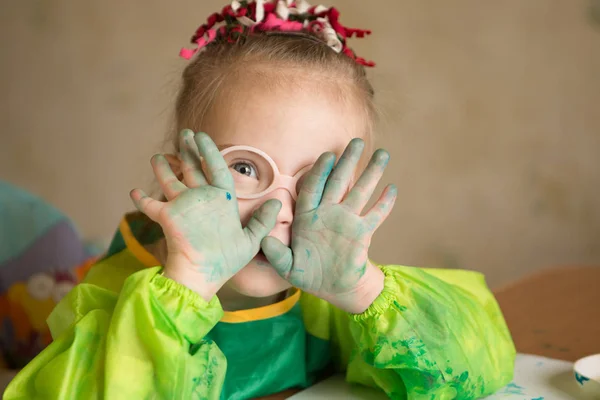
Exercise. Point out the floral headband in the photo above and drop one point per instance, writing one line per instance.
(277, 16)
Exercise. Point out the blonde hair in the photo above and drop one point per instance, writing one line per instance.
(272, 56)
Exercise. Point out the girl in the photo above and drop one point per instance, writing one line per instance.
(252, 275)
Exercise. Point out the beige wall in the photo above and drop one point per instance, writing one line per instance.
(492, 118)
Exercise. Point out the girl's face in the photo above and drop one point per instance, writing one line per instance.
(294, 125)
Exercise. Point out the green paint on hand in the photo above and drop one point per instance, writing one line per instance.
(328, 253)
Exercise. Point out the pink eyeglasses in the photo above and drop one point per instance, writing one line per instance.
(255, 174)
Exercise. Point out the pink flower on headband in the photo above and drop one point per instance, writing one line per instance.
(273, 23)
(201, 42)
(276, 15)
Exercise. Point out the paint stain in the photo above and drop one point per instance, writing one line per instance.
(228, 195)
(307, 254)
(513, 388)
(538, 398)
(403, 308)
(514, 385)
(580, 378)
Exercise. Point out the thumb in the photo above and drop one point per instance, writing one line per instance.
(262, 222)
(279, 255)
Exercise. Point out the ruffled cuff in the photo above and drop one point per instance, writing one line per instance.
(382, 302)
(192, 316)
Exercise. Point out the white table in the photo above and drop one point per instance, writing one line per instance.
(536, 378)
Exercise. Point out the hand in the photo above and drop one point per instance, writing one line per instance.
(201, 223)
(330, 239)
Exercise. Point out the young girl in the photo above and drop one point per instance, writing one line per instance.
(252, 275)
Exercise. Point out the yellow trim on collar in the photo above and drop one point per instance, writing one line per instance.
(135, 247)
(256, 314)
(230, 317)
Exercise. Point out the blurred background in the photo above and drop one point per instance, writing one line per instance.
(491, 111)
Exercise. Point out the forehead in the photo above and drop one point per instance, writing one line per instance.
(294, 123)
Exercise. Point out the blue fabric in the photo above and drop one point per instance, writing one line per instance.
(24, 217)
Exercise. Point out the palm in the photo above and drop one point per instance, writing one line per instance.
(330, 237)
(203, 226)
(328, 242)
(201, 221)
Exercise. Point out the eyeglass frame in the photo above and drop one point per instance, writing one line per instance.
(280, 181)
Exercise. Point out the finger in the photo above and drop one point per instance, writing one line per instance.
(340, 178)
(311, 191)
(262, 222)
(170, 185)
(382, 208)
(360, 194)
(278, 255)
(146, 204)
(216, 165)
(191, 166)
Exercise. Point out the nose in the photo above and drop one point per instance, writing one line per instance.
(283, 224)
(288, 205)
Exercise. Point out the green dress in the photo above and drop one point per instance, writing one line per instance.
(127, 332)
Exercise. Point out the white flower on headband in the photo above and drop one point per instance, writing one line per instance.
(330, 36)
(284, 9)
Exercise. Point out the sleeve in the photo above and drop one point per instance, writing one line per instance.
(144, 340)
(429, 334)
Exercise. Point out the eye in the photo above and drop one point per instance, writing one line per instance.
(245, 168)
